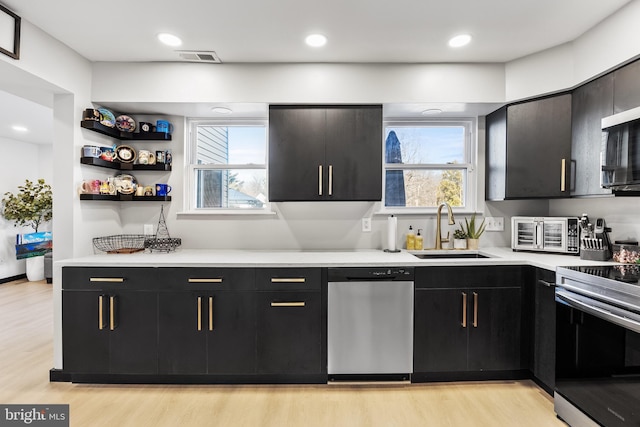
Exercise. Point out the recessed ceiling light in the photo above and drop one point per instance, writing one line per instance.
(431, 111)
(316, 40)
(221, 110)
(460, 40)
(169, 39)
(19, 128)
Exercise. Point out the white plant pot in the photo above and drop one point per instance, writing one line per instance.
(35, 268)
(459, 243)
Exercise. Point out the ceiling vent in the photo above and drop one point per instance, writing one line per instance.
(199, 56)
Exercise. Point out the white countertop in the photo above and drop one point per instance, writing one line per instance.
(322, 258)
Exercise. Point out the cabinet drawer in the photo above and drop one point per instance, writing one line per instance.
(467, 277)
(206, 278)
(276, 279)
(98, 278)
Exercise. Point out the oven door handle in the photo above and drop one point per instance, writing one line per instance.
(598, 312)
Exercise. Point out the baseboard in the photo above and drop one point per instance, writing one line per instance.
(13, 278)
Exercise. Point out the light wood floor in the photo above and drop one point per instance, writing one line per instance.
(26, 357)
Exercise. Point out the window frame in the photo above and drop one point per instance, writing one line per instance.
(191, 167)
(470, 165)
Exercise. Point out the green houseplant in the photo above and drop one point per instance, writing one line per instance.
(459, 239)
(473, 233)
(32, 205)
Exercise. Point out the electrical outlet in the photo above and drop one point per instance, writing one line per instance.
(494, 223)
(366, 225)
(148, 229)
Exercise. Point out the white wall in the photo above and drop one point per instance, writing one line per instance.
(19, 161)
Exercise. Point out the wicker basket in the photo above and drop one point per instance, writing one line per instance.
(120, 244)
(162, 244)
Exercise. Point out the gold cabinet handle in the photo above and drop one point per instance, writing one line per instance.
(475, 309)
(464, 310)
(107, 279)
(288, 304)
(199, 313)
(288, 280)
(563, 173)
(211, 313)
(330, 180)
(100, 312)
(212, 280)
(319, 180)
(112, 317)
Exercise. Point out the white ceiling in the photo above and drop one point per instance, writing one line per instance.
(274, 30)
(400, 31)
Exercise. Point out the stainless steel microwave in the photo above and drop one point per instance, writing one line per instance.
(620, 153)
(545, 234)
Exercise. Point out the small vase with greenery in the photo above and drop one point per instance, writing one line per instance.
(473, 232)
(459, 239)
(32, 205)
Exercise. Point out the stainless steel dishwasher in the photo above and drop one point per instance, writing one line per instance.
(370, 323)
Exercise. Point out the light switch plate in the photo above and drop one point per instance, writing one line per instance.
(366, 225)
(494, 223)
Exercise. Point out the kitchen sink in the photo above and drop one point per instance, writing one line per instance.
(441, 255)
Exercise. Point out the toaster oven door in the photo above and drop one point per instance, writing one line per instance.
(526, 234)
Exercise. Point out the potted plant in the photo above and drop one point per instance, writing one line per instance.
(31, 206)
(473, 232)
(459, 239)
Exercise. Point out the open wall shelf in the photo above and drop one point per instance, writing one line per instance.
(124, 166)
(115, 133)
(125, 198)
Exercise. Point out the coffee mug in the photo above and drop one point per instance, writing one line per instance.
(90, 187)
(108, 154)
(140, 191)
(163, 189)
(146, 127)
(91, 114)
(164, 126)
(146, 157)
(159, 156)
(148, 190)
(91, 151)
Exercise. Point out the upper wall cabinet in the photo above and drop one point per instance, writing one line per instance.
(325, 153)
(626, 85)
(591, 102)
(528, 149)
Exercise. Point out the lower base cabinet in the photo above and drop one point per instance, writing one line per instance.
(202, 325)
(544, 330)
(467, 320)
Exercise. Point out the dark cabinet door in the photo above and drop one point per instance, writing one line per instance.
(325, 153)
(590, 103)
(626, 93)
(494, 329)
(207, 332)
(544, 355)
(289, 332)
(440, 335)
(297, 167)
(110, 332)
(84, 332)
(231, 332)
(539, 148)
(354, 153)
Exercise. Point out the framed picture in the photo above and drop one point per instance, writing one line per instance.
(9, 33)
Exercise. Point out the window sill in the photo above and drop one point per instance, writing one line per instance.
(423, 211)
(226, 212)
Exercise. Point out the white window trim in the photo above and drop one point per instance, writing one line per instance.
(190, 167)
(471, 190)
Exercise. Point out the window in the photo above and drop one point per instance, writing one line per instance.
(227, 166)
(427, 163)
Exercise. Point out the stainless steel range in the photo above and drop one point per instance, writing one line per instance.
(598, 345)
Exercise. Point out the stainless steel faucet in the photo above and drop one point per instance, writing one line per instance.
(452, 221)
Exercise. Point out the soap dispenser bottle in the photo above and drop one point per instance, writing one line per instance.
(411, 239)
(419, 241)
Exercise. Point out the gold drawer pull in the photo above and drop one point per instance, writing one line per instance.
(112, 314)
(100, 312)
(475, 310)
(199, 313)
(107, 279)
(288, 304)
(214, 280)
(464, 310)
(288, 280)
(211, 313)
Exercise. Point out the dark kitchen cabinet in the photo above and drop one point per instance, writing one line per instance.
(467, 320)
(544, 332)
(109, 323)
(590, 103)
(207, 322)
(626, 94)
(291, 327)
(325, 153)
(529, 149)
